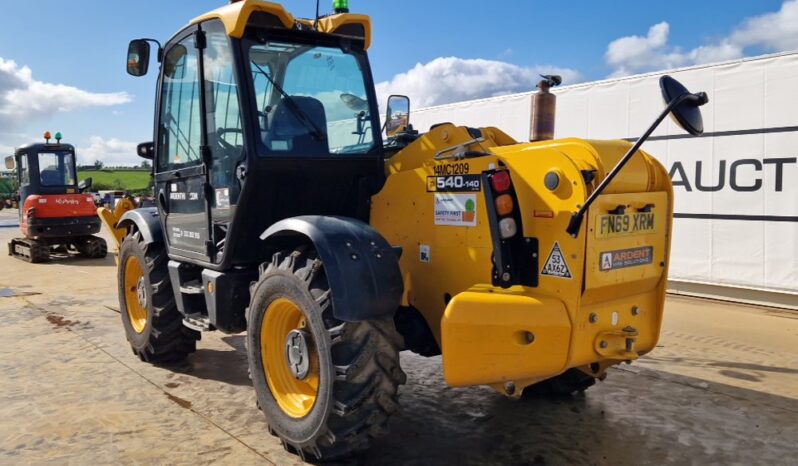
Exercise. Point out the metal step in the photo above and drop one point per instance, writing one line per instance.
(198, 322)
(192, 287)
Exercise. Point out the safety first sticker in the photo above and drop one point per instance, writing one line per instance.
(623, 258)
(457, 210)
(555, 265)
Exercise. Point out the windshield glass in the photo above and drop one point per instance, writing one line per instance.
(56, 169)
(311, 100)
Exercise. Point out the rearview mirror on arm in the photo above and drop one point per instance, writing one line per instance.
(146, 150)
(138, 57)
(10, 163)
(397, 119)
(685, 111)
(682, 105)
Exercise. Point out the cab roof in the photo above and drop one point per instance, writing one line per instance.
(236, 15)
(44, 147)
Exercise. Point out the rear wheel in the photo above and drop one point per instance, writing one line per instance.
(153, 325)
(326, 387)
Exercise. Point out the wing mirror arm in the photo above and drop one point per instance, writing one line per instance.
(696, 100)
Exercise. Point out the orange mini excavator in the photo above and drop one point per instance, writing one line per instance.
(54, 215)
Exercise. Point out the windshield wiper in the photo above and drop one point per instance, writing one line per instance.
(298, 113)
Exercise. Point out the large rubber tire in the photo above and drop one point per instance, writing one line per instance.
(569, 383)
(356, 363)
(161, 336)
(92, 247)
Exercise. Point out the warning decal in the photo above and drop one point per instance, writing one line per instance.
(555, 265)
(456, 209)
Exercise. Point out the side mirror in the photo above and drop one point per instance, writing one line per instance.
(146, 150)
(686, 113)
(397, 119)
(138, 57)
(85, 184)
(10, 163)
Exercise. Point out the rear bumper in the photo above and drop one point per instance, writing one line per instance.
(62, 227)
(491, 336)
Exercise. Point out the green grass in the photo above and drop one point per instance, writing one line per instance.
(124, 180)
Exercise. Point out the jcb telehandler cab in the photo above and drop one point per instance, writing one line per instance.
(54, 214)
(283, 213)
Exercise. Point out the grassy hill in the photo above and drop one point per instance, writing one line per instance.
(124, 180)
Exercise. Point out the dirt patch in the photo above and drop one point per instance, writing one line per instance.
(172, 385)
(60, 321)
(180, 401)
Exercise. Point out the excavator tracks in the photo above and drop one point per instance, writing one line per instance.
(29, 250)
(42, 250)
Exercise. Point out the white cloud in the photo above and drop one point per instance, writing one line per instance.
(776, 32)
(111, 152)
(451, 79)
(773, 31)
(24, 99)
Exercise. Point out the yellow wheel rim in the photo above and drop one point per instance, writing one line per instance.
(135, 294)
(294, 396)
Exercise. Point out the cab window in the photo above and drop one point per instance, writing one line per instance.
(179, 132)
(24, 174)
(56, 169)
(225, 135)
(311, 100)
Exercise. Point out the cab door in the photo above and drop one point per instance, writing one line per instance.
(180, 172)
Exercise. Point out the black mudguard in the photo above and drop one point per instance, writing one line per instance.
(362, 268)
(146, 221)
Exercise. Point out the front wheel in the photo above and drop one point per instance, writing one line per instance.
(153, 325)
(326, 387)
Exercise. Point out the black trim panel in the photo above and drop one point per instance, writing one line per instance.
(749, 218)
(739, 132)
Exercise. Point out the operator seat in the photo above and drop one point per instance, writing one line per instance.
(288, 133)
(51, 177)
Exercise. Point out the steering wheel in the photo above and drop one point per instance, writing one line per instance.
(354, 102)
(222, 131)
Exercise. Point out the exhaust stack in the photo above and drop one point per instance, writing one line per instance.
(544, 109)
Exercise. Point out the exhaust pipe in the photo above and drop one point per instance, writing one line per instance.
(544, 109)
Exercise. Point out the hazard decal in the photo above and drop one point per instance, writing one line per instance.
(555, 265)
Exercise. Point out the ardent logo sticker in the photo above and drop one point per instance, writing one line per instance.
(622, 258)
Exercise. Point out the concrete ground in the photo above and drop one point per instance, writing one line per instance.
(722, 388)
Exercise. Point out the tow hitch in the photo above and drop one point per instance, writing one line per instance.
(618, 344)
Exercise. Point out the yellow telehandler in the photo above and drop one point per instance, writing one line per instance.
(282, 211)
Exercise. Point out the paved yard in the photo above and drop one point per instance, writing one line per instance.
(722, 388)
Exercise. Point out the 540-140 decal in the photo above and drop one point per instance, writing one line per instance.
(454, 183)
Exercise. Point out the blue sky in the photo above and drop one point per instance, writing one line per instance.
(68, 57)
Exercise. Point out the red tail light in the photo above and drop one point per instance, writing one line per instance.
(501, 182)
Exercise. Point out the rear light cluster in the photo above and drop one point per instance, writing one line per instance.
(505, 207)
